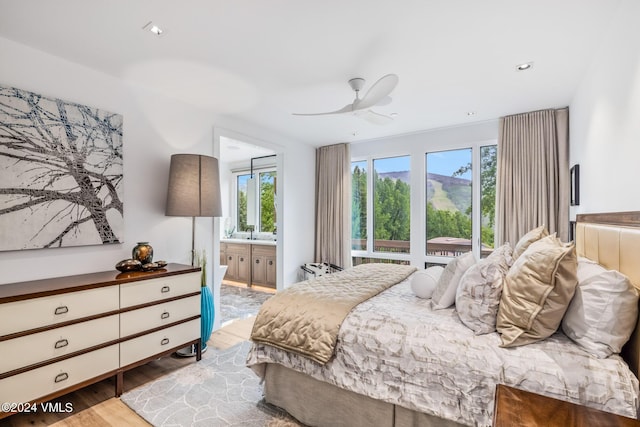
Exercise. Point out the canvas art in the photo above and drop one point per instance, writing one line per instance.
(60, 173)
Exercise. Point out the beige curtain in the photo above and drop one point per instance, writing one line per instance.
(533, 174)
(333, 205)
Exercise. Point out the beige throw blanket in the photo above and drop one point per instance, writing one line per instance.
(305, 318)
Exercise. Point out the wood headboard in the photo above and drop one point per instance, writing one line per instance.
(613, 241)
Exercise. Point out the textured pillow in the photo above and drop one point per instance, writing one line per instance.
(603, 312)
(526, 240)
(423, 282)
(445, 293)
(503, 256)
(537, 291)
(480, 288)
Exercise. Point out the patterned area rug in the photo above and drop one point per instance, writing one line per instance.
(240, 303)
(217, 391)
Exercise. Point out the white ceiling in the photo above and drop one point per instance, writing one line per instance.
(259, 61)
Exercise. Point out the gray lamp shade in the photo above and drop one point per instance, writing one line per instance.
(194, 186)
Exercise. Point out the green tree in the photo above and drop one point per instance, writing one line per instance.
(391, 209)
(267, 202)
(242, 211)
(447, 223)
(359, 206)
(488, 173)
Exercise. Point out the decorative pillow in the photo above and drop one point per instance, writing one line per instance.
(537, 291)
(526, 240)
(478, 296)
(603, 312)
(423, 282)
(445, 293)
(503, 256)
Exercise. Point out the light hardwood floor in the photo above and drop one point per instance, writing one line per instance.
(95, 405)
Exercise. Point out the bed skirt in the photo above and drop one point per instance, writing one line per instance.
(316, 403)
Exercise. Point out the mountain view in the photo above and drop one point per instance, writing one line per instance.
(444, 192)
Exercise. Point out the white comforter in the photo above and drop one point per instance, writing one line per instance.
(394, 348)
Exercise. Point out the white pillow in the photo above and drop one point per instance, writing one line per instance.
(445, 293)
(603, 311)
(423, 282)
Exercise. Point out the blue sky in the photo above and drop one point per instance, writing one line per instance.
(441, 162)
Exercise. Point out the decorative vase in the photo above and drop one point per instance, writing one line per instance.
(143, 252)
(207, 315)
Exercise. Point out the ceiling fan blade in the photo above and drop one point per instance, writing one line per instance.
(377, 92)
(346, 109)
(384, 101)
(373, 117)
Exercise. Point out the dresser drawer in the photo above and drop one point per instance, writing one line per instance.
(156, 342)
(161, 314)
(34, 348)
(40, 382)
(142, 292)
(33, 313)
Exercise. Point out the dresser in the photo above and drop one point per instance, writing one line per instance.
(61, 334)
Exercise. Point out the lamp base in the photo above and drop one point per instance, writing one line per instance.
(189, 351)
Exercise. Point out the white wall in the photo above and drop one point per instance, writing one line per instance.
(154, 128)
(605, 120)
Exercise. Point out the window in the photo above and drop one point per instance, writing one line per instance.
(449, 202)
(265, 205)
(359, 205)
(241, 200)
(391, 204)
(488, 168)
(453, 213)
(267, 201)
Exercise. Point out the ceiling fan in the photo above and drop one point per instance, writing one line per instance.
(378, 94)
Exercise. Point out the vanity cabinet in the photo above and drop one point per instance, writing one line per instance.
(249, 263)
(263, 264)
(58, 335)
(237, 257)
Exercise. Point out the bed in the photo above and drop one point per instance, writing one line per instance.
(398, 363)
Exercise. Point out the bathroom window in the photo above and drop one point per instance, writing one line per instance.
(256, 201)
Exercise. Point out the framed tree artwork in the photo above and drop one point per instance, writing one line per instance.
(575, 185)
(60, 173)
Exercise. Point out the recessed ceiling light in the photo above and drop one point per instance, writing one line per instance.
(471, 113)
(524, 66)
(153, 28)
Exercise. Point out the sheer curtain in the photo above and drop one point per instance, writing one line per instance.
(533, 174)
(333, 204)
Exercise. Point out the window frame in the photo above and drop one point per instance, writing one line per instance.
(234, 207)
(417, 255)
(369, 251)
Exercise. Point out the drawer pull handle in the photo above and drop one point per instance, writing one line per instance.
(61, 310)
(257, 261)
(164, 315)
(164, 341)
(61, 377)
(165, 289)
(241, 259)
(62, 343)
